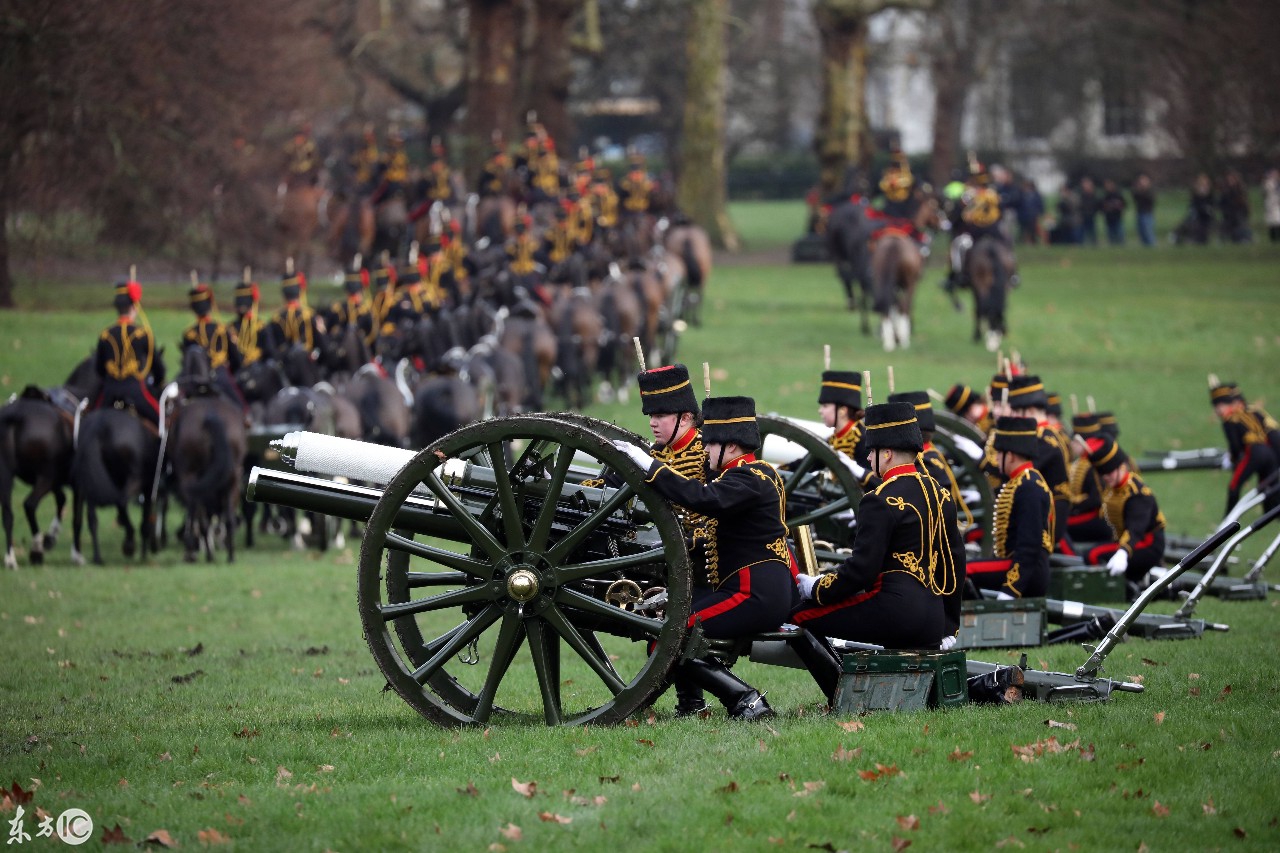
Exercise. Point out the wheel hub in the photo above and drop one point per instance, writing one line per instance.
(522, 585)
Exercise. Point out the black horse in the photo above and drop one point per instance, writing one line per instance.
(847, 232)
(36, 444)
(206, 451)
(114, 465)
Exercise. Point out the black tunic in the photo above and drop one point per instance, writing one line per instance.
(1023, 522)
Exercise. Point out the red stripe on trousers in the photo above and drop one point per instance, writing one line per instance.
(743, 593)
(1244, 463)
(983, 567)
(827, 609)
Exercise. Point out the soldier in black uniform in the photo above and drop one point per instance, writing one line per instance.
(1023, 517)
(901, 585)
(744, 579)
(1027, 399)
(219, 345)
(1248, 448)
(1085, 522)
(356, 310)
(253, 337)
(126, 356)
(296, 324)
(932, 461)
(970, 405)
(521, 255)
(1131, 511)
(840, 407)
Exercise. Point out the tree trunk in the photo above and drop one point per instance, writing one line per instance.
(701, 182)
(548, 70)
(6, 275)
(492, 39)
(950, 90)
(841, 137)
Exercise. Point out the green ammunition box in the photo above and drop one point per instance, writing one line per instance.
(991, 624)
(901, 681)
(1086, 584)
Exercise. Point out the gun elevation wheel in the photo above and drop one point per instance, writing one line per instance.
(526, 610)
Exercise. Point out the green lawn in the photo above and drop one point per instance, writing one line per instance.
(240, 704)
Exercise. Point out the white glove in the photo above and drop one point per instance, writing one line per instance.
(641, 458)
(858, 470)
(1226, 462)
(1118, 563)
(948, 643)
(806, 582)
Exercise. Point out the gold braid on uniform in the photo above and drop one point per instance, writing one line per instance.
(1113, 501)
(1253, 430)
(777, 546)
(1269, 423)
(1080, 469)
(923, 564)
(1004, 508)
(940, 462)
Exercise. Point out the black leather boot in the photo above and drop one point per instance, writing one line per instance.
(818, 657)
(999, 687)
(689, 701)
(741, 700)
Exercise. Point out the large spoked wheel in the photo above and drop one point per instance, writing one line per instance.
(974, 486)
(819, 487)
(516, 607)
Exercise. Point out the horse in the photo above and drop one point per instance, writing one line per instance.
(114, 465)
(391, 229)
(298, 221)
(896, 263)
(689, 241)
(623, 315)
(207, 452)
(352, 226)
(525, 332)
(36, 445)
(579, 329)
(989, 267)
(847, 231)
(441, 405)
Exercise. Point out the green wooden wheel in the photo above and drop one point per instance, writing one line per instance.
(970, 479)
(818, 485)
(503, 616)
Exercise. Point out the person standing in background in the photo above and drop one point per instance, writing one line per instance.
(1088, 212)
(1144, 205)
(1113, 205)
(1271, 203)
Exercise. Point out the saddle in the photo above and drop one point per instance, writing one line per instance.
(124, 406)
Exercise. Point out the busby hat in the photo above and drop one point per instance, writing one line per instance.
(842, 387)
(246, 293)
(999, 382)
(1086, 425)
(1107, 423)
(1017, 435)
(1053, 403)
(1224, 392)
(893, 425)
(667, 391)
(1105, 454)
(127, 294)
(292, 285)
(356, 281)
(920, 401)
(959, 398)
(201, 298)
(1027, 392)
(730, 420)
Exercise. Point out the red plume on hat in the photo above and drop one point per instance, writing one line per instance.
(135, 291)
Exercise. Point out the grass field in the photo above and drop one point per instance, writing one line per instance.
(238, 706)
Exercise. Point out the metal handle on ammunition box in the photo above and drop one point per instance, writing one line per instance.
(1116, 634)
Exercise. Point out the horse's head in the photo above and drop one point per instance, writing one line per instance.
(195, 366)
(158, 371)
(83, 381)
(298, 366)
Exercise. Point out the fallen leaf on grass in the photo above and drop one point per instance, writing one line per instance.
(899, 844)
(731, 788)
(548, 817)
(247, 733)
(586, 750)
(1208, 807)
(1194, 691)
(511, 832)
(19, 796)
(1159, 717)
(809, 788)
(762, 746)
(644, 741)
(162, 838)
(527, 789)
(843, 754)
(1054, 724)
(470, 791)
(1226, 691)
(1005, 842)
(1193, 675)
(957, 755)
(1160, 810)
(978, 798)
(1240, 833)
(1150, 662)
(115, 835)
(282, 773)
(940, 808)
(165, 756)
(212, 836)
(852, 725)
(909, 822)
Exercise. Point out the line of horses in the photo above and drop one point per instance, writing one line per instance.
(880, 267)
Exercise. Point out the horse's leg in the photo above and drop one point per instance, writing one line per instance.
(229, 521)
(39, 489)
(6, 516)
(130, 546)
(250, 509)
(55, 526)
(77, 525)
(190, 537)
(93, 535)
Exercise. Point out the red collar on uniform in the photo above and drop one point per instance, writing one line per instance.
(840, 433)
(928, 445)
(292, 303)
(123, 320)
(1124, 480)
(355, 298)
(898, 471)
(1042, 424)
(741, 460)
(1024, 466)
(684, 440)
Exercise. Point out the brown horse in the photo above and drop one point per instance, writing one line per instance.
(298, 221)
(578, 332)
(526, 333)
(896, 263)
(351, 230)
(989, 266)
(689, 242)
(619, 305)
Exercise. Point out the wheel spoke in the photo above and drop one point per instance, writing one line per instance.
(820, 512)
(436, 602)
(542, 528)
(545, 668)
(507, 501)
(451, 559)
(460, 637)
(587, 604)
(800, 473)
(417, 580)
(504, 651)
(581, 571)
(601, 667)
(479, 534)
(575, 537)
